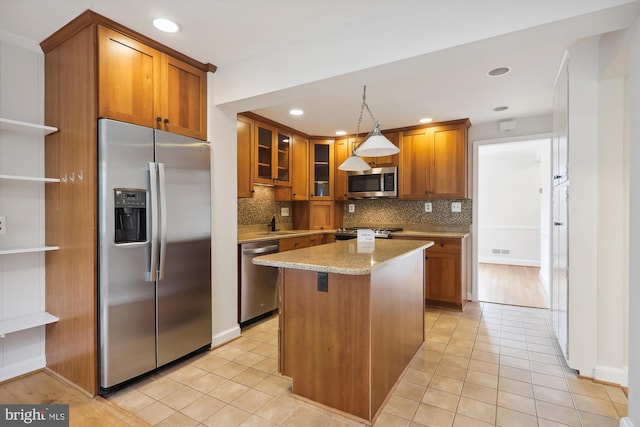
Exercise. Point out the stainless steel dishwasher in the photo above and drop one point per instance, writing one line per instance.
(258, 284)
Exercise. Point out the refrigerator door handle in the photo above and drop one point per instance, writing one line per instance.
(152, 275)
(163, 220)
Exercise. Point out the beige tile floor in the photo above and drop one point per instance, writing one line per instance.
(493, 365)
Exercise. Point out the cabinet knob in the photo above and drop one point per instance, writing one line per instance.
(159, 119)
(166, 121)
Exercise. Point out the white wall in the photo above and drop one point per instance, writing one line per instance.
(633, 112)
(612, 230)
(583, 225)
(509, 202)
(224, 222)
(22, 284)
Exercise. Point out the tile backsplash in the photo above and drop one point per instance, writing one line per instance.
(409, 214)
(255, 213)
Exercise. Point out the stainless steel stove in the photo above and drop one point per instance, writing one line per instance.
(352, 232)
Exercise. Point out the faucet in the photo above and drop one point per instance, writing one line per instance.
(272, 224)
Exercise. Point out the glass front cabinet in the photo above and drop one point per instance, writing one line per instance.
(273, 155)
(322, 169)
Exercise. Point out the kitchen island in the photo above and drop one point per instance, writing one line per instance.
(350, 320)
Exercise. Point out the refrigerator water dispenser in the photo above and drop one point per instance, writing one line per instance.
(130, 215)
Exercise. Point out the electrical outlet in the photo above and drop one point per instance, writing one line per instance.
(352, 208)
(3, 224)
(456, 207)
(284, 211)
(428, 207)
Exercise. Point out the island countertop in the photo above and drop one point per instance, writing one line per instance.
(342, 257)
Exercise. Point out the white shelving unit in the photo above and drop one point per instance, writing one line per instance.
(28, 178)
(20, 323)
(11, 251)
(24, 127)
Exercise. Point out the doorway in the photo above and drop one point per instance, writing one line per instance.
(512, 221)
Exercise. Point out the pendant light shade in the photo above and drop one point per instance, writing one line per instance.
(354, 163)
(377, 145)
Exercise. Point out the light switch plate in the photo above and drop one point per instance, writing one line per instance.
(284, 211)
(352, 208)
(456, 207)
(428, 207)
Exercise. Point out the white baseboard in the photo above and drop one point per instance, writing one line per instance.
(612, 375)
(625, 422)
(509, 261)
(225, 336)
(24, 367)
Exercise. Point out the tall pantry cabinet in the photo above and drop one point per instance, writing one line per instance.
(95, 68)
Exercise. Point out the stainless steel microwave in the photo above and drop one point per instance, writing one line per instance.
(376, 182)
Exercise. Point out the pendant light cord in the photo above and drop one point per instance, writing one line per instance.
(362, 108)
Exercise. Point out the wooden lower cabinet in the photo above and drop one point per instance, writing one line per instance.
(347, 347)
(445, 264)
(317, 215)
(292, 243)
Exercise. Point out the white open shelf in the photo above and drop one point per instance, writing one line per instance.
(9, 251)
(21, 323)
(28, 178)
(24, 127)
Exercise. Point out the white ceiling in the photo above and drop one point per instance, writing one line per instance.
(417, 57)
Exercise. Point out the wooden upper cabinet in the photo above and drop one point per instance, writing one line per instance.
(321, 169)
(413, 164)
(245, 156)
(300, 181)
(128, 78)
(143, 86)
(272, 155)
(433, 162)
(183, 106)
(342, 150)
(448, 172)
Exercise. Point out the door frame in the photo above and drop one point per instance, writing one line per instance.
(472, 293)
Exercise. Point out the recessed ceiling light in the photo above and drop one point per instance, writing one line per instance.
(498, 71)
(341, 132)
(296, 112)
(426, 120)
(166, 25)
(502, 108)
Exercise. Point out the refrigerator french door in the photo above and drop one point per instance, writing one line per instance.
(154, 270)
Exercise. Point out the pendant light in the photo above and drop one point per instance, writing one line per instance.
(374, 145)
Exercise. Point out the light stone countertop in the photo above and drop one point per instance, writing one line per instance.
(409, 233)
(258, 236)
(342, 257)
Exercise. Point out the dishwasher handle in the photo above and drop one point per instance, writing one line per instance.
(264, 250)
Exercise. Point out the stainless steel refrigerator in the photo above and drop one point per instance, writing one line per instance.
(154, 252)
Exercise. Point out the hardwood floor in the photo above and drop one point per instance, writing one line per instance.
(510, 284)
(44, 388)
